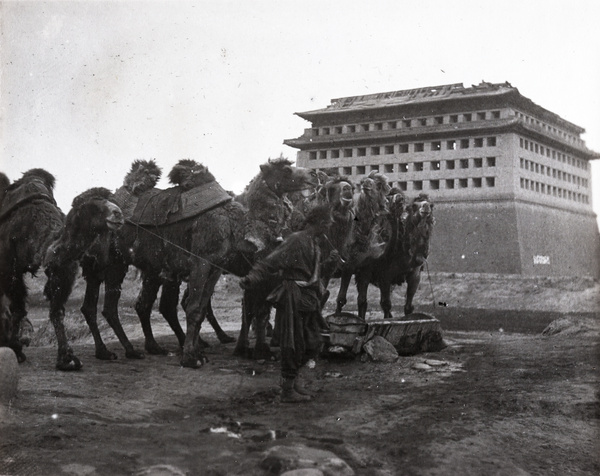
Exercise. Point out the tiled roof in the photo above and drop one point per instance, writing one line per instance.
(413, 96)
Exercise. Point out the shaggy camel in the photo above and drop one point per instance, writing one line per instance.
(35, 233)
(337, 192)
(403, 259)
(139, 182)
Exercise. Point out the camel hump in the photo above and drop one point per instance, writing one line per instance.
(26, 192)
(164, 207)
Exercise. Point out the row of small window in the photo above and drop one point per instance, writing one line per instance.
(448, 184)
(540, 187)
(406, 123)
(477, 163)
(549, 128)
(548, 152)
(400, 148)
(551, 172)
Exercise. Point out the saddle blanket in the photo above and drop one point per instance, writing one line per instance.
(164, 207)
(31, 190)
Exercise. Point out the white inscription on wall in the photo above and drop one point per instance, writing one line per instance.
(539, 259)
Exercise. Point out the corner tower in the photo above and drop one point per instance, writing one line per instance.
(511, 181)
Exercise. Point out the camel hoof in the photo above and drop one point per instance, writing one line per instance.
(134, 354)
(154, 349)
(21, 357)
(263, 352)
(193, 362)
(69, 364)
(105, 354)
(226, 339)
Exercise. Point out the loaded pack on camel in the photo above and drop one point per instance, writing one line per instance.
(35, 233)
(196, 249)
(403, 257)
(157, 207)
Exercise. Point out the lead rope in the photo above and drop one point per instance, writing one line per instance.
(179, 247)
(430, 285)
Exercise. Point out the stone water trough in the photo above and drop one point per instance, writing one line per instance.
(409, 335)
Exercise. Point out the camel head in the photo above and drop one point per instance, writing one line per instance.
(143, 176)
(374, 189)
(94, 211)
(40, 175)
(188, 174)
(281, 177)
(338, 192)
(396, 201)
(422, 206)
(92, 218)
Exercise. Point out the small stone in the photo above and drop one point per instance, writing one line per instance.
(436, 363)
(421, 366)
(279, 459)
(304, 472)
(161, 470)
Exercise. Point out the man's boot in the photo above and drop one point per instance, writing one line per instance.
(302, 382)
(289, 394)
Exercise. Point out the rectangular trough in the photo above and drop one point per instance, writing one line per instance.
(411, 335)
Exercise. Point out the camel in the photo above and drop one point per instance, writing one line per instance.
(198, 249)
(140, 181)
(338, 193)
(403, 259)
(34, 233)
(371, 231)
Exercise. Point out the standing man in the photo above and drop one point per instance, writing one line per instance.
(298, 320)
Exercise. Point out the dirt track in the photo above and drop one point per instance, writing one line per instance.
(496, 403)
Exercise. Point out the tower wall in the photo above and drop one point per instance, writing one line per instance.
(556, 242)
(514, 238)
(475, 237)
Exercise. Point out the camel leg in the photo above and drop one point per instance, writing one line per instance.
(362, 285)
(114, 277)
(224, 338)
(200, 341)
(242, 348)
(343, 292)
(169, 298)
(412, 284)
(262, 312)
(57, 290)
(202, 281)
(143, 306)
(89, 310)
(16, 292)
(385, 300)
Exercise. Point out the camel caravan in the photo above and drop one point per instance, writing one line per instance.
(192, 233)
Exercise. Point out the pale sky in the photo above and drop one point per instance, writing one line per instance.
(87, 87)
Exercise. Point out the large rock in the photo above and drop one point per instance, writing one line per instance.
(379, 349)
(9, 376)
(280, 459)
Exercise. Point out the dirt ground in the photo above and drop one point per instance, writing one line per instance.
(500, 399)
